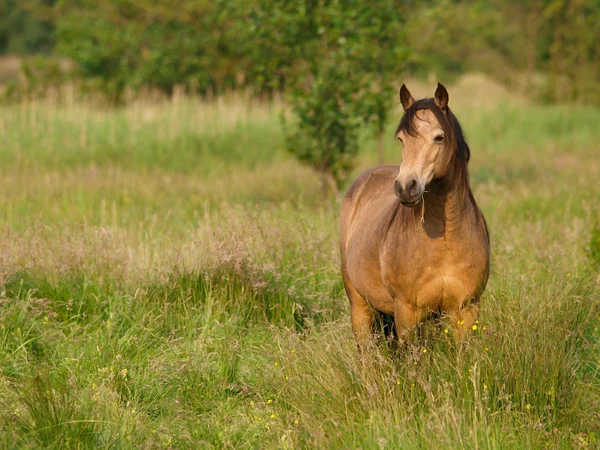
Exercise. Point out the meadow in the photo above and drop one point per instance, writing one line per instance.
(169, 278)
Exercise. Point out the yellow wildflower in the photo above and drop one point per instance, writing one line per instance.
(276, 364)
(269, 401)
(296, 422)
(273, 416)
(424, 350)
(446, 331)
(474, 327)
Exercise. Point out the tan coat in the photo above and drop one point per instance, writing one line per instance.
(413, 240)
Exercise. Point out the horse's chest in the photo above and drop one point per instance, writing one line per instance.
(438, 274)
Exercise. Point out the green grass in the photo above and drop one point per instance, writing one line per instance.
(169, 278)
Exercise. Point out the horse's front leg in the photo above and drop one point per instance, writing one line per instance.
(407, 317)
(361, 314)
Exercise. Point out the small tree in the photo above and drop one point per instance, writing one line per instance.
(336, 61)
(324, 131)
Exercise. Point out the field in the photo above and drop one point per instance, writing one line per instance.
(169, 278)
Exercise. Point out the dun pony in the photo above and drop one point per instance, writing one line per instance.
(413, 241)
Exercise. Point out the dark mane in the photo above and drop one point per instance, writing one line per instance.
(451, 127)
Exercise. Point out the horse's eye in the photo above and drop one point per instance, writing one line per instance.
(400, 140)
(439, 138)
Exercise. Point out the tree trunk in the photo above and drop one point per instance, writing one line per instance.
(324, 185)
(380, 147)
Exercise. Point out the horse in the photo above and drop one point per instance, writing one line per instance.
(413, 241)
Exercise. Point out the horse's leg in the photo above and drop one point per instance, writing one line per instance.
(407, 317)
(465, 317)
(361, 315)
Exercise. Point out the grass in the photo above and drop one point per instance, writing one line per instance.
(170, 279)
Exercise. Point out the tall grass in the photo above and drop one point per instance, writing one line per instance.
(169, 278)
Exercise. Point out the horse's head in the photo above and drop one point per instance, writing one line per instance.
(430, 136)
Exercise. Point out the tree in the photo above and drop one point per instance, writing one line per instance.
(336, 62)
(134, 43)
(573, 32)
(21, 32)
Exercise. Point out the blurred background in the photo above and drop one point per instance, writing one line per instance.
(171, 179)
(544, 49)
(336, 64)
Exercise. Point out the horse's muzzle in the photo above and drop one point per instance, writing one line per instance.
(410, 195)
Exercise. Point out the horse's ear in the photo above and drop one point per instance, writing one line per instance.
(441, 97)
(406, 97)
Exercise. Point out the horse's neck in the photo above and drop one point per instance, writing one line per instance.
(443, 210)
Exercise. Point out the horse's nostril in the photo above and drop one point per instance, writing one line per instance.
(412, 186)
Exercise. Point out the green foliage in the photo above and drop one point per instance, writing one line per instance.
(452, 38)
(545, 47)
(132, 43)
(325, 132)
(573, 54)
(21, 32)
(594, 246)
